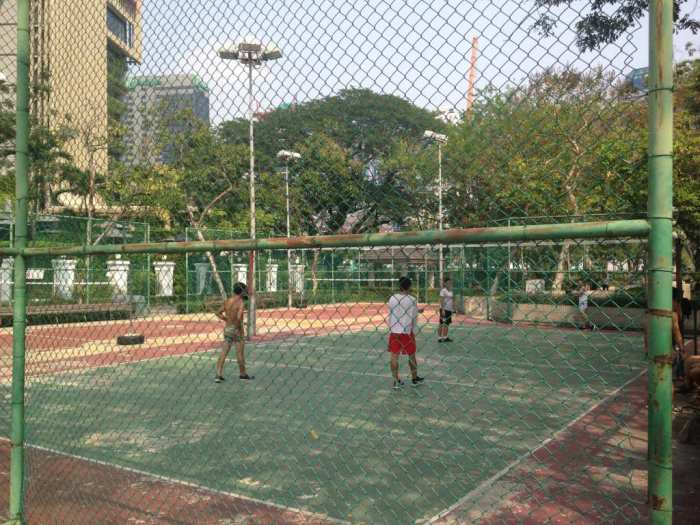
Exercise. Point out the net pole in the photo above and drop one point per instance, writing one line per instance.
(148, 269)
(19, 312)
(510, 291)
(187, 275)
(332, 278)
(660, 259)
(251, 174)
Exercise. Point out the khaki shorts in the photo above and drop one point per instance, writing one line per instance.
(231, 334)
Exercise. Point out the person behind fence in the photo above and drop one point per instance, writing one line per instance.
(583, 296)
(446, 309)
(402, 321)
(232, 314)
(686, 366)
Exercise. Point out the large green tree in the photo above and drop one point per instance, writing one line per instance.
(687, 155)
(605, 21)
(363, 122)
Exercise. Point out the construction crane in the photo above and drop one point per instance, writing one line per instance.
(472, 75)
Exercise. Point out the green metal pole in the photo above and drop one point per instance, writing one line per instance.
(660, 258)
(148, 270)
(19, 314)
(540, 232)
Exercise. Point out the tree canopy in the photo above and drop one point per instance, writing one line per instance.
(608, 20)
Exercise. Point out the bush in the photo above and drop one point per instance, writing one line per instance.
(630, 298)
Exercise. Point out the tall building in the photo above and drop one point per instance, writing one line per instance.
(152, 97)
(77, 49)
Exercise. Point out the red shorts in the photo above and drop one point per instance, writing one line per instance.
(402, 344)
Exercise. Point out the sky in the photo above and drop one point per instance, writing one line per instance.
(416, 49)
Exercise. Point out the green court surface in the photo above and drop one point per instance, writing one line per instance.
(321, 429)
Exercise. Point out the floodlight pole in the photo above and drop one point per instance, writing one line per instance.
(251, 177)
(289, 233)
(440, 225)
(251, 55)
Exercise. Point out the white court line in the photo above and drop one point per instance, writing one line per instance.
(382, 350)
(175, 481)
(427, 383)
(493, 479)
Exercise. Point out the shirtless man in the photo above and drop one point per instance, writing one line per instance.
(687, 365)
(232, 314)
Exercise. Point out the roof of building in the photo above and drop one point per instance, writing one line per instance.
(166, 81)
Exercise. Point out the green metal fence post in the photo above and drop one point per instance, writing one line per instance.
(148, 270)
(19, 320)
(660, 257)
(187, 276)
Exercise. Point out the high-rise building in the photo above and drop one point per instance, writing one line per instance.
(150, 99)
(77, 49)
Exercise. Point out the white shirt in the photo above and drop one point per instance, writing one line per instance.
(583, 300)
(403, 314)
(447, 301)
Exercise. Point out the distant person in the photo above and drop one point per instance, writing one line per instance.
(583, 296)
(402, 321)
(606, 283)
(686, 366)
(232, 314)
(446, 309)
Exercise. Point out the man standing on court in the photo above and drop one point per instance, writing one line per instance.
(446, 309)
(584, 293)
(232, 314)
(402, 320)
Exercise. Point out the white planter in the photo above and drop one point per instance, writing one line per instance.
(118, 277)
(6, 270)
(534, 286)
(201, 270)
(165, 275)
(63, 277)
(272, 277)
(240, 273)
(297, 277)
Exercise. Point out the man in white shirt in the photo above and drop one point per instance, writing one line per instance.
(403, 316)
(583, 305)
(446, 309)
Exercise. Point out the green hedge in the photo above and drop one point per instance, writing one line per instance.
(630, 298)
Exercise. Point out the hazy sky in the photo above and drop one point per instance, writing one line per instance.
(417, 49)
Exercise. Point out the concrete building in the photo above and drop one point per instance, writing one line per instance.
(71, 45)
(152, 97)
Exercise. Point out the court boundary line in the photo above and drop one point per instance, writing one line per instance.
(488, 483)
(532, 364)
(175, 482)
(374, 374)
(201, 355)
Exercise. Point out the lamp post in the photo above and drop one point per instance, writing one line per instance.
(287, 156)
(251, 54)
(439, 139)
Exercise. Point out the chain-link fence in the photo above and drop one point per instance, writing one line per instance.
(234, 220)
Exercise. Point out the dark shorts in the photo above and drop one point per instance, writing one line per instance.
(231, 334)
(445, 317)
(402, 344)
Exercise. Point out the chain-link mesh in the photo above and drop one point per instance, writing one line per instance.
(188, 121)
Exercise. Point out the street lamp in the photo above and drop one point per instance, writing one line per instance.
(439, 139)
(251, 54)
(286, 156)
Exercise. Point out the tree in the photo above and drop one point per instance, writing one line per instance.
(326, 188)
(364, 123)
(567, 145)
(608, 20)
(686, 165)
(205, 174)
(7, 150)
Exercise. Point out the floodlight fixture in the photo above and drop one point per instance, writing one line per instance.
(288, 155)
(435, 137)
